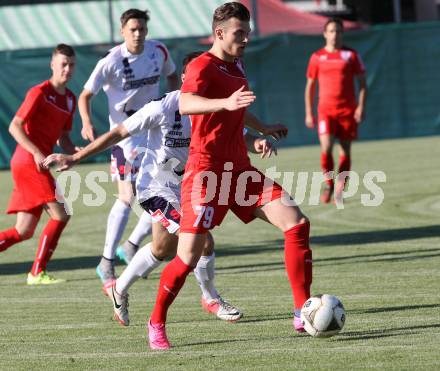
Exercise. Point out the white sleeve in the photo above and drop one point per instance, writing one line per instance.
(98, 77)
(168, 66)
(148, 117)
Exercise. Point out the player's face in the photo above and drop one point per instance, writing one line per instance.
(62, 68)
(134, 33)
(234, 36)
(333, 34)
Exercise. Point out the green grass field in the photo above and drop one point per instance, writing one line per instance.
(382, 262)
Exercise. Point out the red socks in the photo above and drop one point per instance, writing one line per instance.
(344, 163)
(48, 242)
(298, 261)
(327, 164)
(171, 281)
(8, 238)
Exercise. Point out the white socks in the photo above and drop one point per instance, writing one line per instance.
(143, 229)
(205, 272)
(142, 264)
(116, 222)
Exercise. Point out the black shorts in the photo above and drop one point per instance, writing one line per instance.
(163, 212)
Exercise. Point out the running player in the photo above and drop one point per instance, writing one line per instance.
(215, 94)
(129, 75)
(335, 67)
(158, 191)
(43, 119)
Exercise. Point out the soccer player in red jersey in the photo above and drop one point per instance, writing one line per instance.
(335, 68)
(43, 119)
(218, 173)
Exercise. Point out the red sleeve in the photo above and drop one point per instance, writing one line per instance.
(68, 126)
(33, 99)
(196, 78)
(312, 69)
(358, 65)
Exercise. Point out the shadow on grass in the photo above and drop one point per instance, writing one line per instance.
(355, 238)
(381, 333)
(393, 309)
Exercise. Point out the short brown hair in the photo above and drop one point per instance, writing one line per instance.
(134, 13)
(63, 49)
(188, 58)
(226, 11)
(336, 20)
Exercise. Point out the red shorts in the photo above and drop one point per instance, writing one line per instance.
(31, 188)
(339, 123)
(207, 195)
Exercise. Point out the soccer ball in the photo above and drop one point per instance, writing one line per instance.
(323, 315)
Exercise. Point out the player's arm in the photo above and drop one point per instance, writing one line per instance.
(259, 145)
(66, 143)
(194, 104)
(309, 97)
(277, 131)
(173, 82)
(88, 130)
(20, 136)
(103, 142)
(359, 114)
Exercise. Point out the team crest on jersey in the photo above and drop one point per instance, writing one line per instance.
(323, 57)
(69, 104)
(177, 117)
(346, 54)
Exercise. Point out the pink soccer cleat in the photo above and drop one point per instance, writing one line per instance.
(298, 325)
(157, 336)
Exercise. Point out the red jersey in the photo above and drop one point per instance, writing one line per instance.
(217, 137)
(46, 115)
(335, 73)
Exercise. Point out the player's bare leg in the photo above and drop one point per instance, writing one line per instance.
(327, 164)
(48, 243)
(297, 254)
(344, 165)
(23, 230)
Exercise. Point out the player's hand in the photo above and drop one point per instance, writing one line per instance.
(63, 162)
(264, 147)
(276, 131)
(88, 132)
(310, 121)
(77, 149)
(359, 115)
(38, 159)
(239, 99)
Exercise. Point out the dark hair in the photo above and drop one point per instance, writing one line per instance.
(188, 58)
(134, 13)
(336, 20)
(226, 11)
(63, 49)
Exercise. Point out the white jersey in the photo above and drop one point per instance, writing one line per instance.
(130, 81)
(169, 135)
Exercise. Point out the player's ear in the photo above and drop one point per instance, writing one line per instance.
(219, 33)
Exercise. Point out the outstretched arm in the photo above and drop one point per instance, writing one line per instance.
(105, 141)
(193, 104)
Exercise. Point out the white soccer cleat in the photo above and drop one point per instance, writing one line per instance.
(120, 306)
(222, 309)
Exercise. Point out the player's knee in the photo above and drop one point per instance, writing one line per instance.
(25, 232)
(125, 198)
(162, 249)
